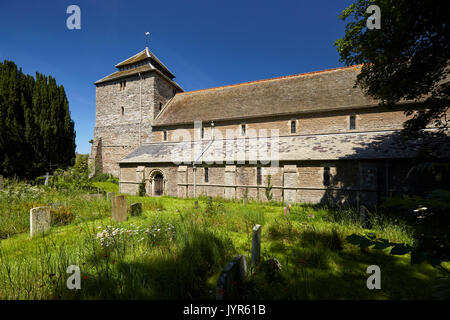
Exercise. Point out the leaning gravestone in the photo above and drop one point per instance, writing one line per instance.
(136, 209)
(119, 208)
(230, 280)
(256, 244)
(1, 182)
(39, 220)
(109, 195)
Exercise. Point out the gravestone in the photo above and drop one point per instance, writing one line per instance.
(39, 220)
(119, 208)
(256, 244)
(136, 209)
(1, 182)
(363, 216)
(109, 195)
(229, 284)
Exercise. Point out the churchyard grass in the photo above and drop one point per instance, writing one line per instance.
(175, 250)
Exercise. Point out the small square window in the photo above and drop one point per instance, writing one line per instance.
(352, 122)
(293, 126)
(243, 129)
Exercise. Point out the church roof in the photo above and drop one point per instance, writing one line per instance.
(142, 62)
(325, 90)
(358, 145)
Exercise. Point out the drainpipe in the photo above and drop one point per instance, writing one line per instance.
(140, 107)
(198, 157)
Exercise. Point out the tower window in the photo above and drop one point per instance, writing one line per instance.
(326, 176)
(243, 129)
(165, 135)
(293, 126)
(352, 122)
(202, 133)
(160, 106)
(206, 175)
(258, 176)
(122, 111)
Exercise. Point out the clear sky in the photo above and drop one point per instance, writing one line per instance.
(205, 43)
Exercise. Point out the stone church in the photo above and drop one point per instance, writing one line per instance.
(308, 137)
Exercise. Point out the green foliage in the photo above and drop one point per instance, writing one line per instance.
(268, 188)
(36, 131)
(407, 59)
(141, 190)
(104, 177)
(61, 215)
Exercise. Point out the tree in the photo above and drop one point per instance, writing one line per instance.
(36, 131)
(406, 61)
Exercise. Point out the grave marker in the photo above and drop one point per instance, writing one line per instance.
(39, 220)
(256, 244)
(119, 208)
(136, 209)
(231, 278)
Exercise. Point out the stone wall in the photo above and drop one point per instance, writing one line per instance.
(306, 124)
(296, 182)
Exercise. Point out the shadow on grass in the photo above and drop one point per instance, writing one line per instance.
(318, 265)
(178, 270)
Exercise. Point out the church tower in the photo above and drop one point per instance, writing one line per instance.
(126, 103)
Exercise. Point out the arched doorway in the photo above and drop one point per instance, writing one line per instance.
(158, 180)
(156, 183)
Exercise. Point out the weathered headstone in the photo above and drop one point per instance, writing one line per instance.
(363, 215)
(136, 209)
(39, 220)
(1, 182)
(119, 208)
(109, 195)
(256, 244)
(230, 280)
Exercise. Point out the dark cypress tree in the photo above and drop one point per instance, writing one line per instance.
(36, 131)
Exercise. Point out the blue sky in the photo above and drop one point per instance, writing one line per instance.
(204, 43)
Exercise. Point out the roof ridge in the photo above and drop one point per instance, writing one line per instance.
(270, 79)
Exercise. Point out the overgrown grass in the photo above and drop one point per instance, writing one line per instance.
(176, 250)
